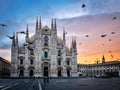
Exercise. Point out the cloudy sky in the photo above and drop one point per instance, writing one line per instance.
(94, 20)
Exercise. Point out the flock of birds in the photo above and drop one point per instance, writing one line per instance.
(11, 37)
(82, 6)
(102, 36)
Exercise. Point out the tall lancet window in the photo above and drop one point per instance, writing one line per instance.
(31, 52)
(68, 62)
(46, 41)
(21, 61)
(45, 54)
(59, 52)
(31, 61)
(59, 62)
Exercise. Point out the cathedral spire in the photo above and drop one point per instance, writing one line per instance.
(55, 25)
(37, 25)
(40, 24)
(63, 33)
(72, 42)
(27, 34)
(103, 59)
(16, 42)
(13, 40)
(75, 45)
(71, 45)
(52, 24)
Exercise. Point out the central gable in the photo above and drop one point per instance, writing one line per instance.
(46, 30)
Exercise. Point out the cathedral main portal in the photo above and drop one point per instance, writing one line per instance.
(45, 71)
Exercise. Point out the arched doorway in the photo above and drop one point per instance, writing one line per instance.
(68, 73)
(21, 73)
(45, 71)
(31, 73)
(59, 73)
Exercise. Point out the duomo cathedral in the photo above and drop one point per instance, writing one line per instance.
(43, 54)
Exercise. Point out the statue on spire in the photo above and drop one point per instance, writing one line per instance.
(52, 24)
(27, 34)
(55, 25)
(64, 33)
(37, 25)
(40, 26)
(16, 42)
(13, 40)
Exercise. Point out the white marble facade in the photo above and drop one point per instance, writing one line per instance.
(44, 54)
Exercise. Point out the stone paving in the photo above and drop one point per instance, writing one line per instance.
(19, 84)
(61, 84)
(83, 84)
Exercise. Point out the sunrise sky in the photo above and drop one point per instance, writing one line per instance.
(94, 20)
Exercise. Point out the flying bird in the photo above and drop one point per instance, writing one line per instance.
(3, 25)
(103, 35)
(112, 56)
(114, 18)
(22, 32)
(80, 43)
(10, 37)
(86, 35)
(103, 44)
(110, 40)
(83, 5)
(112, 32)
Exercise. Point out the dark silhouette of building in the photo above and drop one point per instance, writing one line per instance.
(4, 67)
(103, 59)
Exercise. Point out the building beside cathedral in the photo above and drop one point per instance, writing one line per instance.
(44, 54)
(4, 67)
(104, 69)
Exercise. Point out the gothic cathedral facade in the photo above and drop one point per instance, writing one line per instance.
(43, 54)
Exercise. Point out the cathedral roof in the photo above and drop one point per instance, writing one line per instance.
(4, 60)
(46, 27)
(46, 30)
